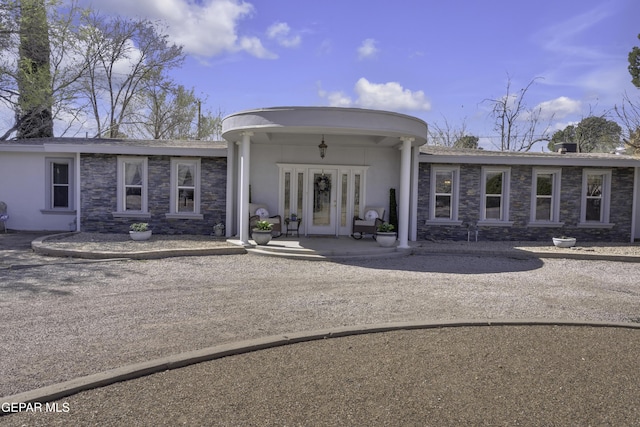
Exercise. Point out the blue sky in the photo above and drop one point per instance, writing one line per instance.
(433, 60)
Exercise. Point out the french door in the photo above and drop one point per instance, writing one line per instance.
(325, 198)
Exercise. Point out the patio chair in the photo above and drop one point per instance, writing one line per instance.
(260, 212)
(373, 216)
(3, 215)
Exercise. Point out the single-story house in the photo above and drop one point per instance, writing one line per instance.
(326, 166)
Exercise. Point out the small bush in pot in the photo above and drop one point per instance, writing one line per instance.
(385, 236)
(139, 226)
(140, 231)
(386, 227)
(262, 232)
(263, 226)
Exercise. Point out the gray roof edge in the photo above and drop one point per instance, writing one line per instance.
(546, 159)
(119, 146)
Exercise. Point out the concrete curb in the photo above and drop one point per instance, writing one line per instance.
(138, 370)
(40, 248)
(523, 254)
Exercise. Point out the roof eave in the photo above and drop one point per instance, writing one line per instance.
(136, 150)
(564, 160)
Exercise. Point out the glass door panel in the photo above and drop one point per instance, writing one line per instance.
(323, 202)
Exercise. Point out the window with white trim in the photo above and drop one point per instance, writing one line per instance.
(59, 193)
(443, 203)
(596, 196)
(132, 184)
(185, 186)
(545, 196)
(494, 202)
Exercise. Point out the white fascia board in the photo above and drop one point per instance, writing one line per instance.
(137, 150)
(565, 160)
(21, 148)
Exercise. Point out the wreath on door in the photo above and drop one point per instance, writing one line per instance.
(323, 184)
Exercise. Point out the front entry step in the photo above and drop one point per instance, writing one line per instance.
(325, 248)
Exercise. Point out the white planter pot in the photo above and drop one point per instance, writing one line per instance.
(567, 242)
(386, 240)
(261, 237)
(140, 235)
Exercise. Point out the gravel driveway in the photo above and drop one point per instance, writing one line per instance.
(61, 321)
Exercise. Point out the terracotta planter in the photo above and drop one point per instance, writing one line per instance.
(140, 235)
(261, 237)
(386, 239)
(564, 242)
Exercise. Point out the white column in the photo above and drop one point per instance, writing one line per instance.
(77, 193)
(231, 221)
(415, 168)
(405, 192)
(245, 151)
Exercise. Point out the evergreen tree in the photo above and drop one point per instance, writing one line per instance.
(634, 65)
(34, 76)
(393, 208)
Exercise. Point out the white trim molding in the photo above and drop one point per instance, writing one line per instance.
(503, 196)
(122, 210)
(554, 197)
(49, 183)
(598, 194)
(453, 194)
(186, 186)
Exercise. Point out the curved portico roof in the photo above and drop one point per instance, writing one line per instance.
(351, 126)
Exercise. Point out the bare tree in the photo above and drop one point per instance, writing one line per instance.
(169, 111)
(518, 126)
(56, 92)
(446, 134)
(124, 56)
(628, 113)
(105, 74)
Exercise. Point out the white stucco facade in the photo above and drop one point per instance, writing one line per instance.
(23, 174)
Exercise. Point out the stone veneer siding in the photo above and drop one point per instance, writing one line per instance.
(622, 180)
(99, 196)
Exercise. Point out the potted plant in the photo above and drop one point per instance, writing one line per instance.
(564, 242)
(139, 231)
(262, 232)
(218, 229)
(385, 236)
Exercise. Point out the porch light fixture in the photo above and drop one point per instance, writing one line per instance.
(323, 148)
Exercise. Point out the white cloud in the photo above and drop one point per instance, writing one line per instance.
(339, 99)
(559, 108)
(205, 28)
(253, 46)
(380, 96)
(390, 96)
(367, 49)
(280, 31)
